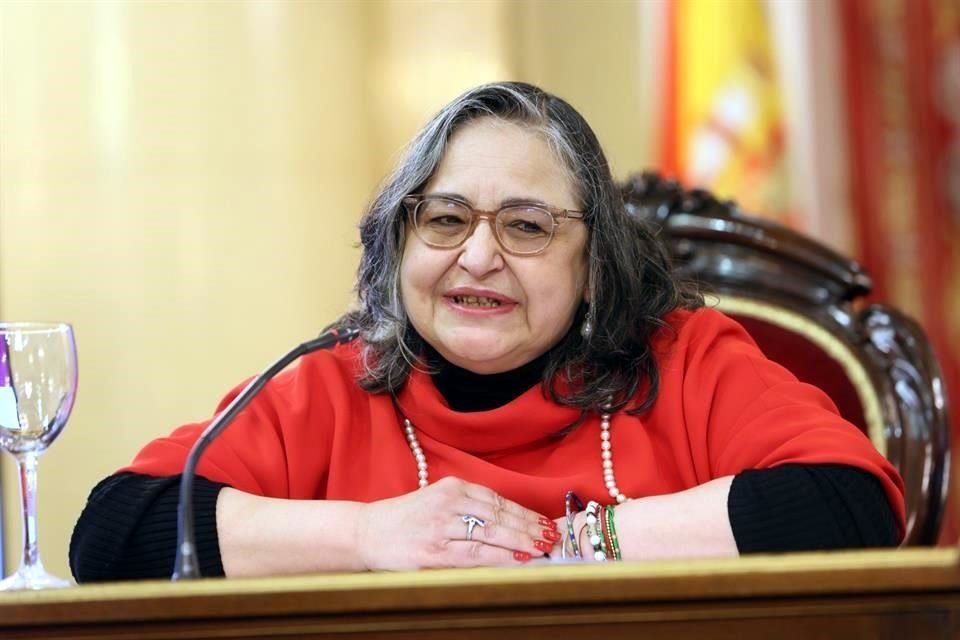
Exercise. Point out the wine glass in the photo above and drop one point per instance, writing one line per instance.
(38, 383)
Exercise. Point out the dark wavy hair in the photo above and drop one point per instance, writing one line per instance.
(629, 273)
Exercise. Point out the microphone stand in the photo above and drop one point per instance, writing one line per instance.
(186, 565)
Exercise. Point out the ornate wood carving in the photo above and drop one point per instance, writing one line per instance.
(731, 253)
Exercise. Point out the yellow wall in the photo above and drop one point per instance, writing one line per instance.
(182, 180)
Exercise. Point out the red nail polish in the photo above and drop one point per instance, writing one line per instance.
(522, 556)
(547, 522)
(542, 545)
(551, 535)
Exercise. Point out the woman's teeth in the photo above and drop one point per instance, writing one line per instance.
(476, 301)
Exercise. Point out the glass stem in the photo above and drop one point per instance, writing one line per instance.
(27, 465)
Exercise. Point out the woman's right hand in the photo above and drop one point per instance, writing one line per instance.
(427, 529)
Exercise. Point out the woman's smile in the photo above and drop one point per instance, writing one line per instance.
(476, 302)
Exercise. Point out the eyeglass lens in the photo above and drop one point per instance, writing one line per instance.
(446, 223)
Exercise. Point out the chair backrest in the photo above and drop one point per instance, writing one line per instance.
(801, 302)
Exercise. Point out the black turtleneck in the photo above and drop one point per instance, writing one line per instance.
(467, 391)
(128, 528)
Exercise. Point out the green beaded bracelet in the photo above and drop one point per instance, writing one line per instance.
(613, 533)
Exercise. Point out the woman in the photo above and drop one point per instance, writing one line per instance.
(522, 339)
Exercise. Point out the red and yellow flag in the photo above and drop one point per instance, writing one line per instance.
(723, 124)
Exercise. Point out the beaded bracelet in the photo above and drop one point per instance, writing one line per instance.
(573, 504)
(605, 532)
(611, 531)
(594, 533)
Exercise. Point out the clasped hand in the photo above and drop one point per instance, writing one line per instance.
(427, 529)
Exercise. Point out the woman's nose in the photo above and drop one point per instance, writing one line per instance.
(481, 253)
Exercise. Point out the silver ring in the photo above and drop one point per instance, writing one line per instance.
(472, 522)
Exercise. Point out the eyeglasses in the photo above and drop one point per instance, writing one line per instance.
(521, 229)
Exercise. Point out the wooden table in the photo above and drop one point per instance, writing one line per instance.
(882, 594)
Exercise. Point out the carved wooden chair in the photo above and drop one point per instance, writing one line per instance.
(801, 302)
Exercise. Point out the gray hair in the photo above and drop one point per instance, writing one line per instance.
(629, 274)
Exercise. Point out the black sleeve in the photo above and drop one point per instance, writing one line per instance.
(128, 529)
(807, 507)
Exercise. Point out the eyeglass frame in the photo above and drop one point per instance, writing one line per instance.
(413, 201)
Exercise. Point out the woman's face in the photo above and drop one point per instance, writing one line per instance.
(487, 163)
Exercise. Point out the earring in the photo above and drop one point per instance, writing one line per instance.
(586, 329)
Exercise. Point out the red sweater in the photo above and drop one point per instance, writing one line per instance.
(722, 408)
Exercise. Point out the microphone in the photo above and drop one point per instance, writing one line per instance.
(186, 565)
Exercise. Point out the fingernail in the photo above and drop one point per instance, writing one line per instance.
(551, 535)
(547, 522)
(522, 556)
(542, 545)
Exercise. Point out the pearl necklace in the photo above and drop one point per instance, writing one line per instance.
(606, 455)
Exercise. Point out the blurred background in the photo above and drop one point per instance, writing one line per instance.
(182, 180)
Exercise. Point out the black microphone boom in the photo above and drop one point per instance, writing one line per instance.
(186, 564)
